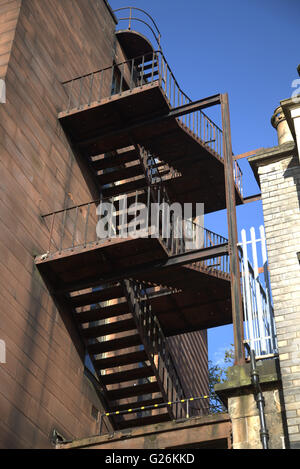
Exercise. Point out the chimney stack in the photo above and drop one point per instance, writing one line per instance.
(279, 123)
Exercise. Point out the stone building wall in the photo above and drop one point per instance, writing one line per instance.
(246, 425)
(279, 178)
(239, 396)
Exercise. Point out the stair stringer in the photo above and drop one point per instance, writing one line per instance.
(164, 369)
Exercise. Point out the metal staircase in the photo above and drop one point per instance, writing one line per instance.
(128, 351)
(137, 110)
(127, 294)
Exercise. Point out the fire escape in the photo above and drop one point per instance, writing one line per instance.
(142, 139)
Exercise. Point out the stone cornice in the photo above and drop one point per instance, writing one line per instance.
(268, 155)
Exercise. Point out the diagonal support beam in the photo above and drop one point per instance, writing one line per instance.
(247, 154)
(252, 198)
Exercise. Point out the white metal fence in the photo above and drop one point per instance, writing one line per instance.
(259, 322)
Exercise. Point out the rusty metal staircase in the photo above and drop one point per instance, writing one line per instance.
(137, 110)
(127, 295)
(128, 351)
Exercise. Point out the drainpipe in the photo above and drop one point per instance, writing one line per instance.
(260, 401)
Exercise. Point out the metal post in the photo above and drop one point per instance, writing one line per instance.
(236, 296)
(51, 232)
(130, 16)
(247, 293)
(80, 92)
(70, 96)
(101, 421)
(91, 88)
(86, 224)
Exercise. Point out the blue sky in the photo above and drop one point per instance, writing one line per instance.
(247, 48)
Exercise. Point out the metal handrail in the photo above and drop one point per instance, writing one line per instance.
(91, 88)
(131, 18)
(156, 343)
(144, 70)
(118, 65)
(133, 410)
(76, 225)
(238, 175)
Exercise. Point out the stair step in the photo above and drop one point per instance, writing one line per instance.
(97, 296)
(131, 196)
(138, 390)
(114, 160)
(157, 163)
(107, 329)
(163, 173)
(97, 314)
(147, 58)
(149, 420)
(129, 375)
(120, 174)
(115, 344)
(126, 187)
(120, 360)
(147, 66)
(142, 197)
(153, 73)
(137, 404)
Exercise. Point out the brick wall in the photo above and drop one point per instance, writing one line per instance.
(280, 188)
(42, 385)
(9, 14)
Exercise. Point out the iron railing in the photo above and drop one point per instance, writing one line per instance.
(191, 411)
(211, 132)
(89, 89)
(186, 233)
(156, 343)
(260, 330)
(152, 68)
(131, 11)
(78, 226)
(175, 242)
(238, 177)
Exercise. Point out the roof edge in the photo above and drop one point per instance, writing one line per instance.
(110, 11)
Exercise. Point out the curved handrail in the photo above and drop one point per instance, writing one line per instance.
(131, 18)
(164, 74)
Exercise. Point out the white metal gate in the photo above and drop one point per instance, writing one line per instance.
(259, 322)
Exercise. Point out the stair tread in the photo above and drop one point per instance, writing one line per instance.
(115, 344)
(114, 160)
(147, 66)
(97, 296)
(130, 391)
(106, 312)
(120, 360)
(148, 420)
(110, 328)
(155, 72)
(128, 375)
(122, 188)
(120, 174)
(137, 404)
